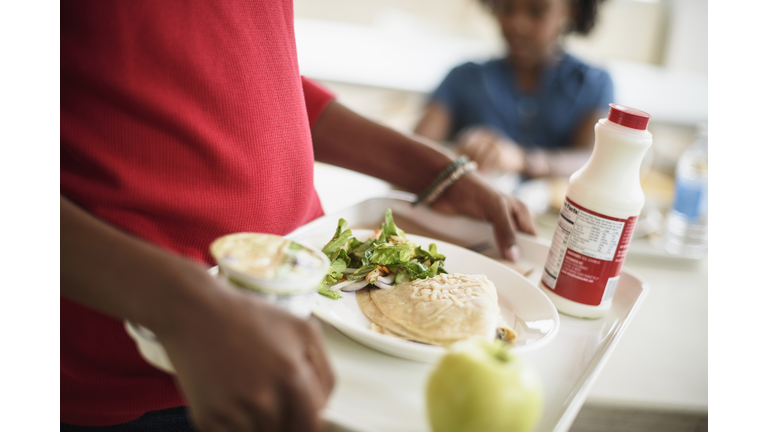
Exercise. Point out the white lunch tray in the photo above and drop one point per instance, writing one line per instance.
(378, 392)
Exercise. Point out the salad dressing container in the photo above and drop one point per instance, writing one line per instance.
(278, 270)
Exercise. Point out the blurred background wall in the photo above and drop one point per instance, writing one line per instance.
(384, 57)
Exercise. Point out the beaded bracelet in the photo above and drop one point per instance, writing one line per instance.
(446, 178)
(440, 177)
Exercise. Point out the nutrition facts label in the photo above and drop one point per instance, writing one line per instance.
(565, 226)
(583, 263)
(596, 237)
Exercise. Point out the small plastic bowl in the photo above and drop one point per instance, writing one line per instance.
(281, 271)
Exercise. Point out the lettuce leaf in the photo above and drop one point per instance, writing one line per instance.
(340, 260)
(388, 253)
(402, 276)
(353, 243)
(418, 270)
(388, 228)
(333, 295)
(358, 252)
(339, 239)
(435, 267)
(430, 254)
(361, 272)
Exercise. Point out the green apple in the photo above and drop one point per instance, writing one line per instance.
(479, 386)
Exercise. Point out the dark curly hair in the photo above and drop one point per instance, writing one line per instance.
(584, 13)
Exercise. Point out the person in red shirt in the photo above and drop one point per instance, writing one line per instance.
(182, 122)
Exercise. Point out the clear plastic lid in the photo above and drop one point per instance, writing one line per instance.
(268, 258)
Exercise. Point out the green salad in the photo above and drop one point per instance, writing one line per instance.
(386, 259)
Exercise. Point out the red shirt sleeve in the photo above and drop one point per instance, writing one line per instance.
(316, 97)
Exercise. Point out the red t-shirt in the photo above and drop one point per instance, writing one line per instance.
(180, 122)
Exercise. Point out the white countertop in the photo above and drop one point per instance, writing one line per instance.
(660, 362)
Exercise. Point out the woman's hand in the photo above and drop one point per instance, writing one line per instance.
(491, 151)
(472, 196)
(245, 365)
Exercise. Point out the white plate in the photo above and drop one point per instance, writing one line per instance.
(523, 306)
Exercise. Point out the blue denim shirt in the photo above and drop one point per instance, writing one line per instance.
(568, 91)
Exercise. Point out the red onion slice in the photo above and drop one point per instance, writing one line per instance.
(379, 283)
(341, 285)
(356, 285)
(389, 279)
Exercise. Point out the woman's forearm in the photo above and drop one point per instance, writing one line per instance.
(120, 275)
(566, 161)
(435, 124)
(555, 163)
(346, 139)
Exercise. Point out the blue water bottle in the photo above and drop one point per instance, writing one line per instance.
(685, 233)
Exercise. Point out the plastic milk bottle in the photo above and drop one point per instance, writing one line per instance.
(603, 200)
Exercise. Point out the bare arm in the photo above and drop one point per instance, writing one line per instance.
(346, 139)
(498, 153)
(564, 162)
(240, 362)
(436, 123)
(343, 138)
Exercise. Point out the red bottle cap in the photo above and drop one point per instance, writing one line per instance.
(629, 117)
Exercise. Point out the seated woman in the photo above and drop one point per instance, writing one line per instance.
(532, 112)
